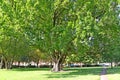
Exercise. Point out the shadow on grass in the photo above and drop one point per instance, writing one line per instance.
(71, 72)
(74, 72)
(31, 69)
(115, 70)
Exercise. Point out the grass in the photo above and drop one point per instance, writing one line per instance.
(46, 74)
(113, 74)
(86, 73)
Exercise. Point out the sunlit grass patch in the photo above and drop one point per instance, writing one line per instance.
(45, 74)
(113, 74)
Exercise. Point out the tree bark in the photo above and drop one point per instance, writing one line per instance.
(2, 63)
(58, 59)
(56, 67)
(8, 64)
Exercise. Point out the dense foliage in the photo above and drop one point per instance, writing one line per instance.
(59, 31)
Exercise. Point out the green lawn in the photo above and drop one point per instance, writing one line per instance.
(46, 74)
(68, 74)
(113, 74)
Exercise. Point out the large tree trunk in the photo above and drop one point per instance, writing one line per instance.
(56, 67)
(58, 64)
(58, 59)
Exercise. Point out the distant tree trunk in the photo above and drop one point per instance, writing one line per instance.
(19, 64)
(6, 65)
(37, 64)
(116, 64)
(9, 65)
(51, 64)
(111, 65)
(2, 64)
(69, 64)
(61, 66)
(81, 64)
